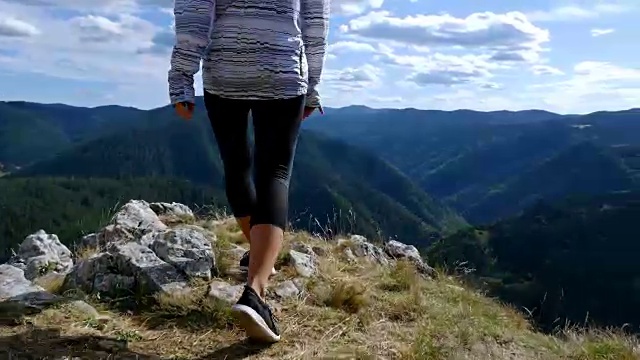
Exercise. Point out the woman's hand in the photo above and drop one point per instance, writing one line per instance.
(184, 110)
(309, 110)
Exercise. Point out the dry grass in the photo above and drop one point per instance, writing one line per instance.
(52, 283)
(86, 252)
(349, 311)
(193, 311)
(172, 220)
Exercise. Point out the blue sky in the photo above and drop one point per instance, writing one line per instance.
(568, 56)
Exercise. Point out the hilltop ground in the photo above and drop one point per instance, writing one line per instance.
(349, 310)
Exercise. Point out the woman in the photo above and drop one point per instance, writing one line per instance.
(264, 57)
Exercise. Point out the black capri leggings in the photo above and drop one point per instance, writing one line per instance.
(276, 125)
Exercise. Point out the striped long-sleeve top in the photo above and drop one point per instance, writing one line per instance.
(251, 49)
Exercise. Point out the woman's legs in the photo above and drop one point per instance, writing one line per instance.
(245, 226)
(264, 208)
(276, 125)
(229, 121)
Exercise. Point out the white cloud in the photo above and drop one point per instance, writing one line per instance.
(12, 27)
(102, 48)
(469, 99)
(600, 32)
(443, 69)
(101, 6)
(350, 46)
(354, 7)
(481, 61)
(353, 78)
(593, 86)
(97, 28)
(598, 71)
(508, 35)
(344, 48)
(546, 70)
(578, 12)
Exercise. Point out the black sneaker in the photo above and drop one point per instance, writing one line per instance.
(244, 263)
(256, 317)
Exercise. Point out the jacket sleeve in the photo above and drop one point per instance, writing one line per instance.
(194, 21)
(315, 29)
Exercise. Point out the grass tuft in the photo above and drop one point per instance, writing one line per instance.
(52, 283)
(347, 296)
(193, 310)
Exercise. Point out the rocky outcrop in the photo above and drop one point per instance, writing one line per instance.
(398, 250)
(361, 248)
(187, 249)
(172, 212)
(15, 288)
(304, 264)
(358, 246)
(42, 253)
(138, 217)
(288, 289)
(141, 255)
(225, 292)
(138, 253)
(134, 220)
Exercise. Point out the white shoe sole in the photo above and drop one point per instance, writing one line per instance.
(253, 324)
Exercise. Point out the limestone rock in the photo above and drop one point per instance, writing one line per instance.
(42, 253)
(139, 253)
(89, 241)
(172, 212)
(304, 264)
(186, 249)
(303, 248)
(138, 216)
(226, 292)
(236, 251)
(129, 267)
(150, 272)
(362, 248)
(16, 288)
(99, 274)
(398, 250)
(287, 289)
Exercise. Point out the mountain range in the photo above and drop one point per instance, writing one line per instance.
(483, 164)
(335, 188)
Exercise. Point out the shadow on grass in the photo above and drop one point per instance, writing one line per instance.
(14, 309)
(239, 350)
(49, 343)
(39, 343)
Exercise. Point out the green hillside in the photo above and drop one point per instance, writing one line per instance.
(30, 132)
(73, 207)
(335, 187)
(469, 159)
(575, 260)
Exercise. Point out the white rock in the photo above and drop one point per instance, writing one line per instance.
(225, 291)
(41, 253)
(304, 264)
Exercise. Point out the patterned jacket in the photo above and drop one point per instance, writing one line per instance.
(251, 49)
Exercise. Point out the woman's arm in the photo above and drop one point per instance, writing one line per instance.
(194, 21)
(315, 29)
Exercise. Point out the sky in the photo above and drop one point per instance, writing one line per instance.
(566, 56)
